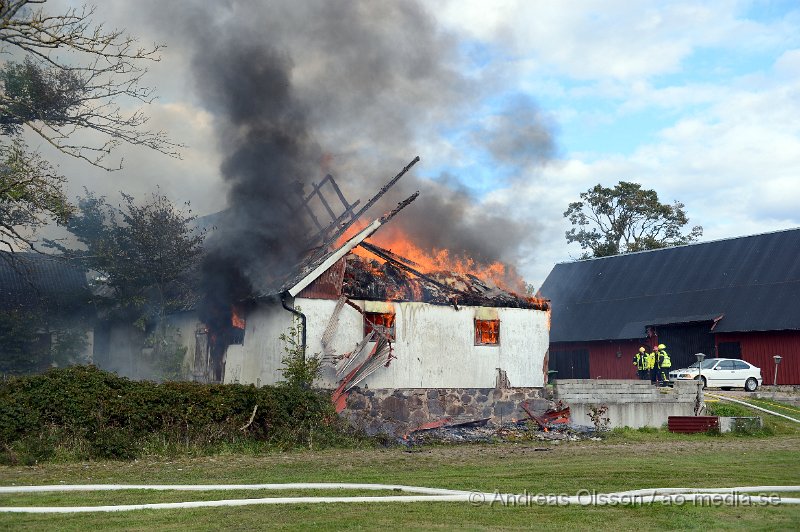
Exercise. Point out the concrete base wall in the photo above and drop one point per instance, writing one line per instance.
(400, 410)
(630, 403)
(740, 424)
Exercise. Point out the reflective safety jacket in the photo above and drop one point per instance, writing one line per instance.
(663, 359)
(651, 360)
(640, 361)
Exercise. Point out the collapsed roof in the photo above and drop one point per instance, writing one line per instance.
(332, 270)
(371, 280)
(357, 277)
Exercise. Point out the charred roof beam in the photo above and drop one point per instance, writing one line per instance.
(333, 238)
(391, 257)
(326, 261)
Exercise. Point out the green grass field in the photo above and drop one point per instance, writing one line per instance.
(625, 460)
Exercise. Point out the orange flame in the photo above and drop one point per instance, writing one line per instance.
(237, 317)
(438, 260)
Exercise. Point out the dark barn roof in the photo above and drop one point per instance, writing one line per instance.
(35, 281)
(750, 283)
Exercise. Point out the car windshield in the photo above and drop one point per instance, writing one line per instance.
(707, 364)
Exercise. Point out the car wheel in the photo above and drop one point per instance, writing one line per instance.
(705, 382)
(750, 385)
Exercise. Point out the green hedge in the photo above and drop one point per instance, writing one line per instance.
(84, 412)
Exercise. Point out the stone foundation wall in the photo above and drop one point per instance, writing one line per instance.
(630, 403)
(398, 411)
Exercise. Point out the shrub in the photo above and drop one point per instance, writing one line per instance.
(101, 415)
(728, 410)
(298, 369)
(599, 416)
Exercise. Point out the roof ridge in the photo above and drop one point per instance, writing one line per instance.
(724, 239)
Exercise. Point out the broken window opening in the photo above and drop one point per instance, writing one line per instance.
(238, 325)
(381, 323)
(236, 336)
(487, 332)
(237, 317)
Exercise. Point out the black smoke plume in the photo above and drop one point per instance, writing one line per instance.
(352, 87)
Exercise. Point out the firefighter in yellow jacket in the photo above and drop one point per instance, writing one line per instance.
(659, 362)
(651, 364)
(662, 362)
(640, 361)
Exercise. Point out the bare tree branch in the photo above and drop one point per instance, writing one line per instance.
(75, 77)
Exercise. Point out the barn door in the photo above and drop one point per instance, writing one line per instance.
(572, 364)
(684, 340)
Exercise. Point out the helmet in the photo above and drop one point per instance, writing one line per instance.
(641, 349)
(662, 346)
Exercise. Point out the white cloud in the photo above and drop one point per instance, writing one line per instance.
(612, 39)
(788, 64)
(735, 164)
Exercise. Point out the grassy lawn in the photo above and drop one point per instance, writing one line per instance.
(625, 460)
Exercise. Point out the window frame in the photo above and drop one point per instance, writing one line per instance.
(479, 333)
(370, 325)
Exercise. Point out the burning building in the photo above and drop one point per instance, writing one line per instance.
(381, 321)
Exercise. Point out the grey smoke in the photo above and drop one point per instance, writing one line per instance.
(519, 135)
(352, 87)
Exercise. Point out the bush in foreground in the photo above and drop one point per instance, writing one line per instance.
(82, 412)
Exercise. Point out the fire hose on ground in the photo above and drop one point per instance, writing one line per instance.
(745, 403)
(737, 496)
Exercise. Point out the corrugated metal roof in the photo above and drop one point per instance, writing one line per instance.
(752, 281)
(33, 280)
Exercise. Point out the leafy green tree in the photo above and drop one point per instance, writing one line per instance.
(298, 369)
(36, 94)
(145, 254)
(626, 218)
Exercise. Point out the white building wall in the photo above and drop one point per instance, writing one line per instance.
(434, 344)
(258, 360)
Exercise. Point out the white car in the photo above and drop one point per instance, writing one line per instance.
(722, 373)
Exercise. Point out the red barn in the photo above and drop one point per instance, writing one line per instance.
(732, 298)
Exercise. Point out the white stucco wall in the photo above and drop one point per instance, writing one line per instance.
(434, 344)
(258, 359)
